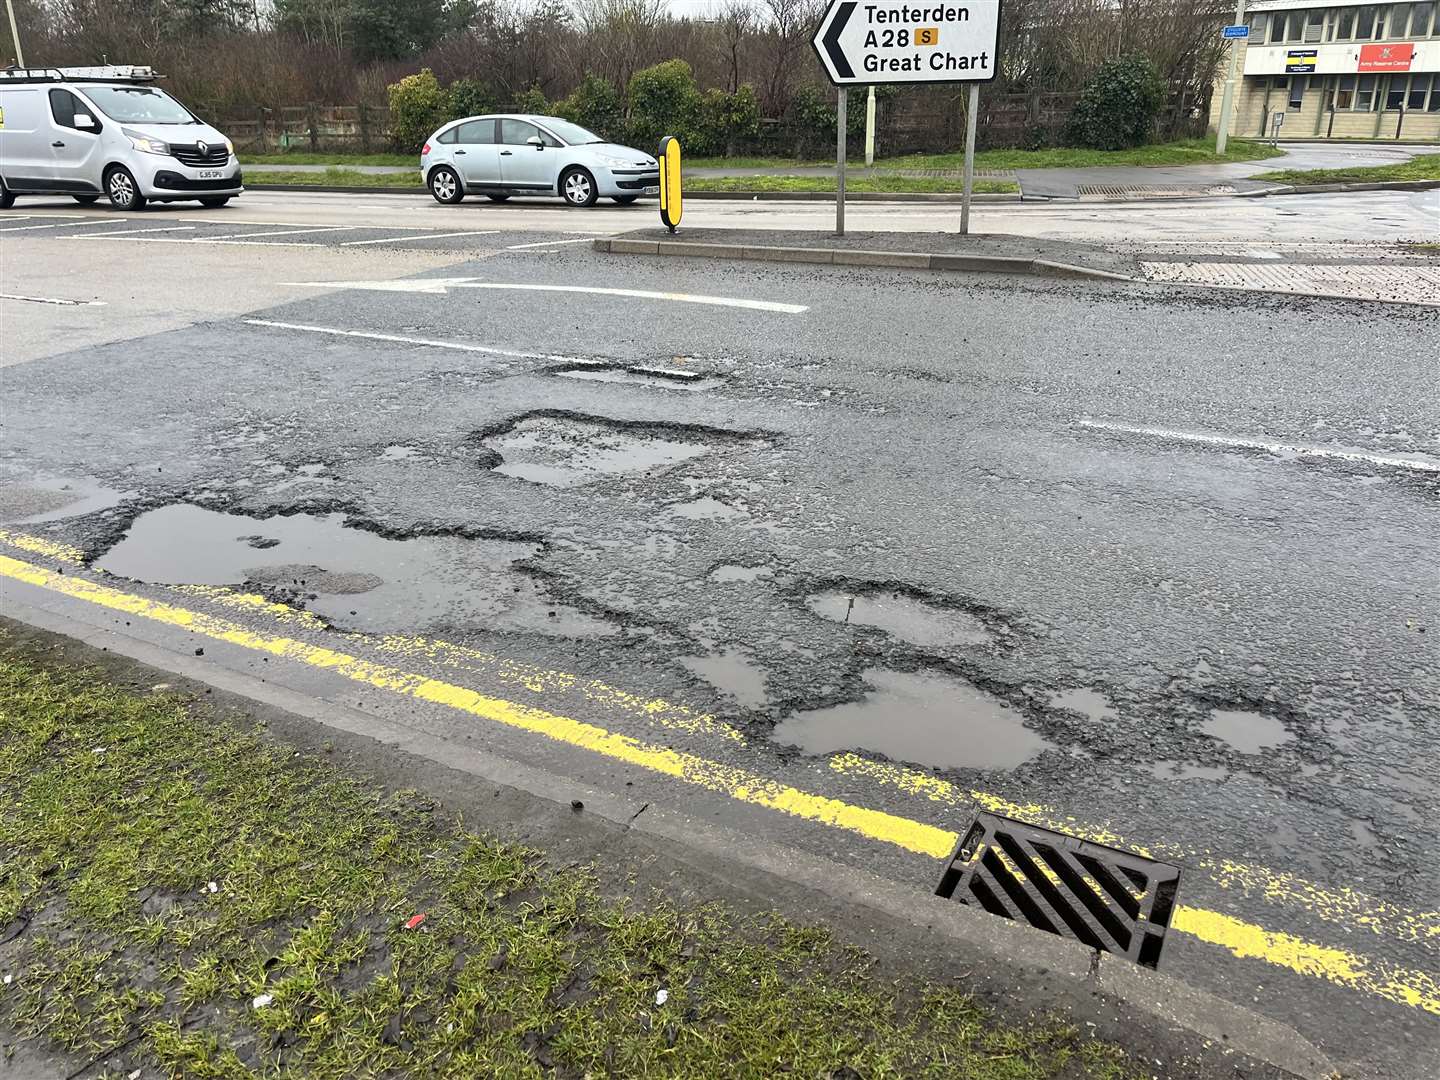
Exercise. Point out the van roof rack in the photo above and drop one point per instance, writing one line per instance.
(100, 73)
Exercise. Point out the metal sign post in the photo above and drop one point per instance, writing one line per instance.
(870, 127)
(840, 163)
(908, 41)
(1227, 99)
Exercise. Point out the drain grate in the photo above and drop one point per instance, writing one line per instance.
(1151, 191)
(1105, 898)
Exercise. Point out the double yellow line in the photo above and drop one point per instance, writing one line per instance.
(1404, 986)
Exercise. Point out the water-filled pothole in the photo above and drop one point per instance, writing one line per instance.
(562, 450)
(1090, 703)
(734, 572)
(354, 578)
(730, 673)
(905, 617)
(1248, 732)
(924, 717)
(707, 508)
(54, 498)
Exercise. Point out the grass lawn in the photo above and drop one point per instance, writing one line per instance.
(337, 178)
(1424, 167)
(221, 906)
(1184, 152)
(852, 184)
(333, 157)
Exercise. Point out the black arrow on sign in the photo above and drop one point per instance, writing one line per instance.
(831, 40)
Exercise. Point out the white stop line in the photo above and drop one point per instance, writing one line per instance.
(443, 285)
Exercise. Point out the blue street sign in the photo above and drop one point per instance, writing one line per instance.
(1235, 32)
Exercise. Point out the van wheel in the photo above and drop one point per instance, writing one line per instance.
(85, 200)
(124, 192)
(445, 185)
(215, 200)
(7, 197)
(578, 187)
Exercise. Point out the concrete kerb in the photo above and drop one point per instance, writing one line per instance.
(781, 874)
(908, 260)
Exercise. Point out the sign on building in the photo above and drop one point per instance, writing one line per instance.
(1386, 57)
(1300, 61)
(895, 41)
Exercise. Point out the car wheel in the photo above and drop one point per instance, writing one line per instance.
(497, 198)
(124, 192)
(625, 200)
(445, 185)
(7, 197)
(578, 187)
(215, 200)
(85, 200)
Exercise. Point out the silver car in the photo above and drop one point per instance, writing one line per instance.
(520, 154)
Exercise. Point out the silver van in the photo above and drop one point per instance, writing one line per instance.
(87, 132)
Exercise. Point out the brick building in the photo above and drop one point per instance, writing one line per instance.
(1348, 70)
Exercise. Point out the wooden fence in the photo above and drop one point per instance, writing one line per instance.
(356, 129)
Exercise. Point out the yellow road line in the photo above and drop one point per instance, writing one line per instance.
(1392, 983)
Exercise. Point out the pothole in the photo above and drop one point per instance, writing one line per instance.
(734, 572)
(1182, 770)
(908, 618)
(353, 577)
(923, 717)
(707, 508)
(1248, 732)
(1090, 703)
(658, 377)
(730, 673)
(564, 450)
(54, 499)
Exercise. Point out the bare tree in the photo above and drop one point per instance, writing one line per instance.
(736, 22)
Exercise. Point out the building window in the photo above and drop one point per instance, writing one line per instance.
(1297, 92)
(1345, 94)
(1421, 16)
(1344, 26)
(1434, 93)
(1367, 26)
(1365, 94)
(1418, 87)
(1395, 95)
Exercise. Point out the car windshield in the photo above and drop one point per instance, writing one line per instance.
(139, 105)
(573, 134)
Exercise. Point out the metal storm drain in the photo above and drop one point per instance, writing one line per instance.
(1105, 898)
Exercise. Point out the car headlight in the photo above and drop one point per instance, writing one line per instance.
(146, 144)
(615, 162)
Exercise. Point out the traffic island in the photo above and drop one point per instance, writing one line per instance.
(993, 253)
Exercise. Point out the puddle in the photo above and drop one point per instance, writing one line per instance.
(35, 501)
(730, 673)
(356, 579)
(731, 572)
(901, 616)
(400, 452)
(706, 509)
(1180, 770)
(562, 451)
(1248, 732)
(658, 378)
(1090, 703)
(926, 717)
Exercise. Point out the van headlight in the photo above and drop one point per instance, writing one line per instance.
(145, 144)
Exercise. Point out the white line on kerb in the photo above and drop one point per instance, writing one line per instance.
(427, 342)
(53, 300)
(645, 294)
(422, 236)
(1415, 462)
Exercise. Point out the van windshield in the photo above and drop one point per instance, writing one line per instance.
(139, 105)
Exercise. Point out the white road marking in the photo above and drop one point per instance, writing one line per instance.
(442, 285)
(422, 236)
(72, 223)
(166, 228)
(53, 300)
(282, 232)
(551, 243)
(192, 241)
(1416, 462)
(26, 217)
(428, 342)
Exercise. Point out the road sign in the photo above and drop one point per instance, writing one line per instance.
(1242, 32)
(909, 41)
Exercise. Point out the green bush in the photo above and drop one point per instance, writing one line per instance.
(729, 123)
(417, 107)
(1118, 107)
(595, 104)
(469, 97)
(531, 101)
(664, 101)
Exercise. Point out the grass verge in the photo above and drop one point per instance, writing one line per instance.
(337, 178)
(181, 895)
(334, 158)
(852, 184)
(1424, 167)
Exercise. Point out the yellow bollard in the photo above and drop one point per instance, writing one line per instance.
(670, 195)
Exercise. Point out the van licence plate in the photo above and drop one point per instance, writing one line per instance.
(210, 174)
(652, 190)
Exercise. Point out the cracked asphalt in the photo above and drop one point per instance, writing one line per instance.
(1159, 562)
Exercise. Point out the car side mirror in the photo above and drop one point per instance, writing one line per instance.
(536, 141)
(85, 122)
